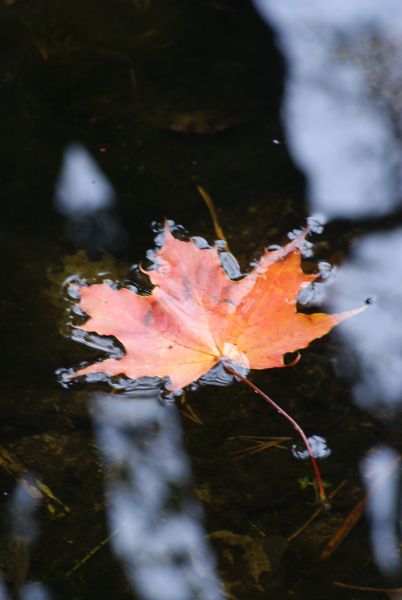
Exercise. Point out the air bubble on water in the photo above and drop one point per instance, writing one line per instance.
(131, 286)
(71, 286)
(326, 271)
(156, 227)
(316, 223)
(306, 249)
(159, 240)
(179, 231)
(318, 445)
(112, 284)
(64, 377)
(151, 256)
(295, 233)
(220, 244)
(230, 265)
(307, 295)
(200, 242)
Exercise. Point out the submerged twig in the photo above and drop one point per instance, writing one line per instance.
(316, 513)
(192, 415)
(346, 527)
(362, 588)
(320, 486)
(354, 516)
(188, 411)
(261, 443)
(91, 553)
(214, 216)
(35, 487)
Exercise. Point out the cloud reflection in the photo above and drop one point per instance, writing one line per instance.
(339, 123)
(381, 477)
(156, 525)
(374, 271)
(86, 198)
(342, 112)
(23, 530)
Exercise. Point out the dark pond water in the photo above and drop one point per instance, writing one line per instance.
(119, 491)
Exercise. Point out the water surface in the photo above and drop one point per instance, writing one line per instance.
(154, 98)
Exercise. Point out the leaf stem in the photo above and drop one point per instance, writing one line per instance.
(295, 425)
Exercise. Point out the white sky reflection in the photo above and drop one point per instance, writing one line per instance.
(342, 115)
(374, 269)
(336, 125)
(157, 525)
(82, 187)
(84, 195)
(23, 530)
(380, 474)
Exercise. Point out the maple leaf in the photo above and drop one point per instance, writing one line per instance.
(196, 316)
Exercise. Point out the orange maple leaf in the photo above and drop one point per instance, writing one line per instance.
(196, 316)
